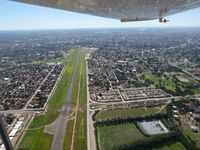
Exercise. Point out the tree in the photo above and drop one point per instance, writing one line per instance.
(178, 90)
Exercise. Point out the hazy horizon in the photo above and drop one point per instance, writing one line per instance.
(31, 17)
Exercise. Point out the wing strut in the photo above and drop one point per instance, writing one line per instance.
(4, 136)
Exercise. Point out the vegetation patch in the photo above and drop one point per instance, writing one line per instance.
(68, 137)
(115, 136)
(123, 113)
(2, 82)
(175, 83)
(160, 81)
(80, 141)
(171, 146)
(193, 136)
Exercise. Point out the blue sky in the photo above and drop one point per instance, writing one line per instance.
(18, 16)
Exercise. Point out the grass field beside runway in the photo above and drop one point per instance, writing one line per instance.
(128, 112)
(114, 136)
(80, 125)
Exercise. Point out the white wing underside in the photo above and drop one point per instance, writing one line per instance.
(124, 10)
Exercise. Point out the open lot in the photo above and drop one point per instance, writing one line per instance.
(170, 79)
(114, 136)
(129, 112)
(167, 83)
(194, 70)
(182, 77)
(186, 82)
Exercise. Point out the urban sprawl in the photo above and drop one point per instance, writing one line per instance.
(142, 88)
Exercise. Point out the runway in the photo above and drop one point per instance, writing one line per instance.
(58, 127)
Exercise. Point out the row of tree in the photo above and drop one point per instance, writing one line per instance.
(126, 120)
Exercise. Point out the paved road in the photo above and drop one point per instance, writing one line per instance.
(58, 128)
(99, 105)
(91, 140)
(21, 111)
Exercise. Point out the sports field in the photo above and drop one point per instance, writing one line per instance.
(114, 136)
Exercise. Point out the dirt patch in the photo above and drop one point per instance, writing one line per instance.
(182, 79)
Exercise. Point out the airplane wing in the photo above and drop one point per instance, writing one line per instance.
(124, 10)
